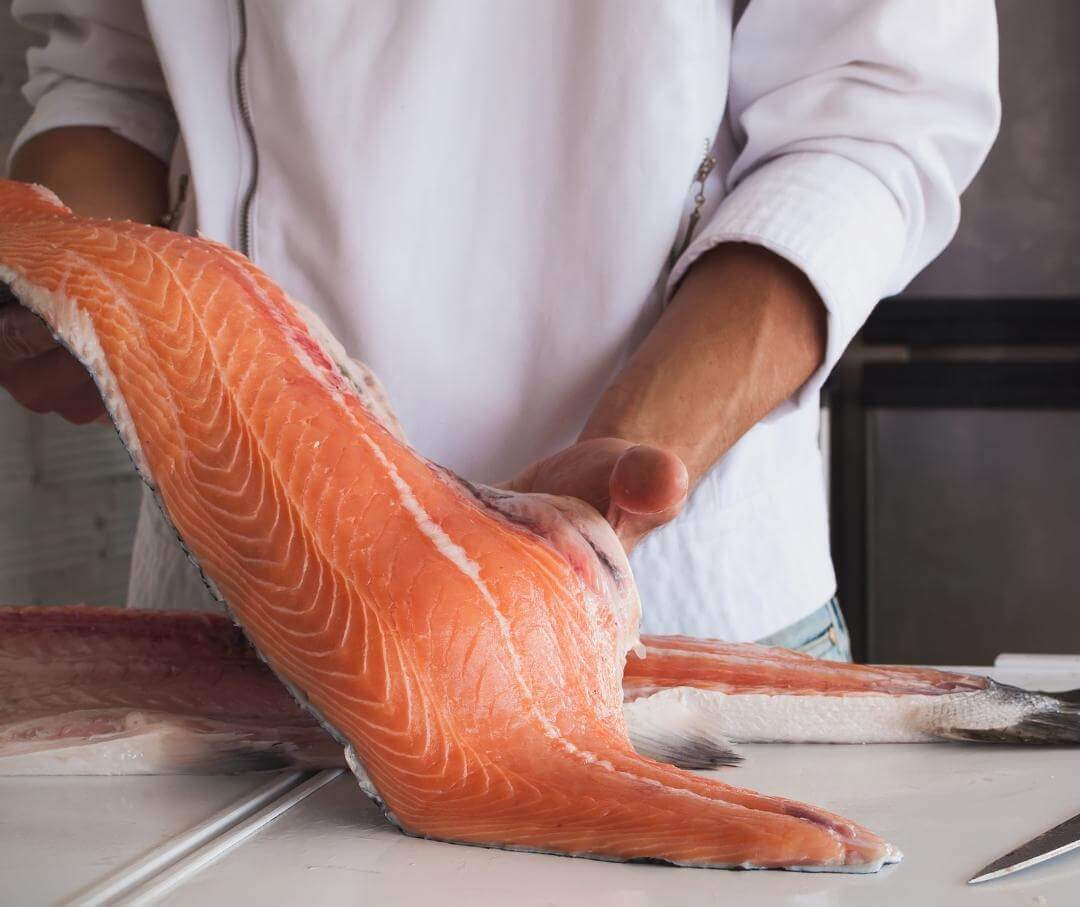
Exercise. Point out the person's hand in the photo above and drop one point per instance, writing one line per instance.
(636, 486)
(39, 374)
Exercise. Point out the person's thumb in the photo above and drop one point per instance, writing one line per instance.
(648, 487)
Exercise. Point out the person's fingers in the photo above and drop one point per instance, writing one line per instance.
(83, 405)
(648, 480)
(22, 335)
(649, 487)
(44, 383)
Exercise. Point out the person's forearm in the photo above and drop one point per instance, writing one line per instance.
(96, 173)
(743, 333)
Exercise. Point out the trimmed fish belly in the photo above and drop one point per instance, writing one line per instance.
(467, 646)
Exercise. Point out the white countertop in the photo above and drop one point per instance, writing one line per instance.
(951, 809)
(61, 836)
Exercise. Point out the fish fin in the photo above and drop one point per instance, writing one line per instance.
(1046, 718)
(667, 730)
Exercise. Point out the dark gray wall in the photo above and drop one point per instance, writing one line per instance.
(973, 531)
(1020, 229)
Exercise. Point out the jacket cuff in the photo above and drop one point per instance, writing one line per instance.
(139, 117)
(831, 218)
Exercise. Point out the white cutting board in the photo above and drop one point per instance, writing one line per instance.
(951, 808)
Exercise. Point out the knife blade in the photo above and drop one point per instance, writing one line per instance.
(1053, 843)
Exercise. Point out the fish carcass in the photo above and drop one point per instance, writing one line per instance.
(97, 690)
(465, 646)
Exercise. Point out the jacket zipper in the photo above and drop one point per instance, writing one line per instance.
(708, 162)
(244, 226)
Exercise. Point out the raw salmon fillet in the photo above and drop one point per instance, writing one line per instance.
(466, 646)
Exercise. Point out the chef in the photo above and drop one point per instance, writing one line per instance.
(566, 234)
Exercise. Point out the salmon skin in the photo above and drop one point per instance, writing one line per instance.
(465, 646)
(88, 690)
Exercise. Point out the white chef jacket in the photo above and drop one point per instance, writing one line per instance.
(481, 199)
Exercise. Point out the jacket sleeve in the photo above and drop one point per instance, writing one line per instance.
(98, 67)
(857, 123)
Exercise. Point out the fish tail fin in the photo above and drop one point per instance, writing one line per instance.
(679, 735)
(1038, 718)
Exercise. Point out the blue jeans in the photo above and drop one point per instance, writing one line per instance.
(822, 634)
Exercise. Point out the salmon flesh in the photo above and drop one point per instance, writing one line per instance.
(465, 646)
